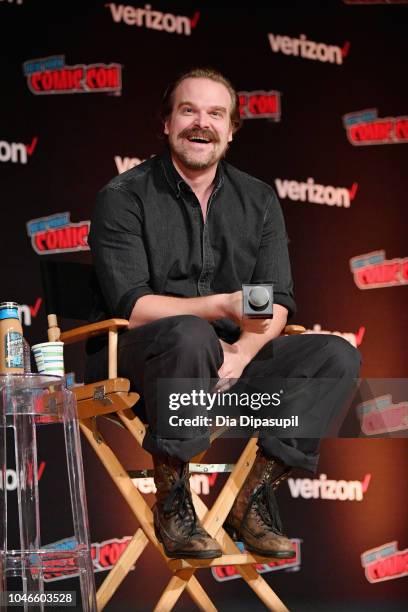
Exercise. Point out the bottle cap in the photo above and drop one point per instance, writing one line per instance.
(8, 310)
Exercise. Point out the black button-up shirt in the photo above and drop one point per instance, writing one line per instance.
(148, 236)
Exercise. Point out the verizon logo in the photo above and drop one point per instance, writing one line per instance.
(200, 483)
(27, 312)
(308, 49)
(153, 20)
(11, 477)
(322, 488)
(312, 192)
(17, 152)
(126, 163)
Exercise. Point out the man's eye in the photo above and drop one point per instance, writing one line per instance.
(216, 113)
(187, 109)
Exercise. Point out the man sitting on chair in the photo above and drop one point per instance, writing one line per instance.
(173, 240)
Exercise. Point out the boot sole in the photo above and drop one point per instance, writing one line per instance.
(279, 554)
(209, 554)
(234, 535)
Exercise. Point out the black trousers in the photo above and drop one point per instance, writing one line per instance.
(187, 346)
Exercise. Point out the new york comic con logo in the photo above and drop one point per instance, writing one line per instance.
(260, 104)
(104, 556)
(51, 75)
(372, 270)
(366, 128)
(57, 234)
(380, 415)
(385, 562)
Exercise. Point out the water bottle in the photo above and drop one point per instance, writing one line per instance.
(11, 340)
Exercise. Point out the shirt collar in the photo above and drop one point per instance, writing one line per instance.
(177, 183)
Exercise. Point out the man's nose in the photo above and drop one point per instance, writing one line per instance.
(202, 119)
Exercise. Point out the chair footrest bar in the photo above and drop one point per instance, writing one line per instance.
(211, 468)
(195, 468)
(238, 559)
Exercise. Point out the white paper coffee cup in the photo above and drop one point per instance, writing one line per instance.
(49, 358)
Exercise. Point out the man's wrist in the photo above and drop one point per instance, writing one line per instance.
(223, 305)
(243, 351)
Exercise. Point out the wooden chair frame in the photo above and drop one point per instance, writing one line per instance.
(112, 396)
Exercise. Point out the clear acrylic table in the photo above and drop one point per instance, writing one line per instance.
(26, 402)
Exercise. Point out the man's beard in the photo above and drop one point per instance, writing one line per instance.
(191, 161)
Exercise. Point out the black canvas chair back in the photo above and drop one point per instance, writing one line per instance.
(68, 288)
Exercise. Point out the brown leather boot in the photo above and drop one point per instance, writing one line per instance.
(255, 516)
(175, 521)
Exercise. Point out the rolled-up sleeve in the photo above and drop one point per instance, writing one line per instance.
(118, 251)
(273, 265)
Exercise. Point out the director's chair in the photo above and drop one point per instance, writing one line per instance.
(67, 289)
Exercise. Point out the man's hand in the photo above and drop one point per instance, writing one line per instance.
(235, 312)
(235, 361)
(151, 307)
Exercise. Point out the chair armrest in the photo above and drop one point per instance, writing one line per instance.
(101, 327)
(93, 329)
(293, 329)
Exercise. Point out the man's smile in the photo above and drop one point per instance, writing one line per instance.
(199, 138)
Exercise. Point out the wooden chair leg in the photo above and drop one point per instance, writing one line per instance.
(121, 569)
(175, 588)
(248, 572)
(199, 596)
(121, 479)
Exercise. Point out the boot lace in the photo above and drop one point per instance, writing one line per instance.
(178, 504)
(264, 502)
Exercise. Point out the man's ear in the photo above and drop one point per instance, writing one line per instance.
(166, 127)
(230, 135)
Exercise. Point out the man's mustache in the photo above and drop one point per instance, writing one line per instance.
(199, 133)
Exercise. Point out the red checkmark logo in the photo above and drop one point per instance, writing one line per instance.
(212, 478)
(345, 48)
(40, 469)
(30, 148)
(365, 482)
(194, 19)
(360, 335)
(34, 309)
(353, 190)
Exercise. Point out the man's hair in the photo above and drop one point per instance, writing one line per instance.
(202, 73)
